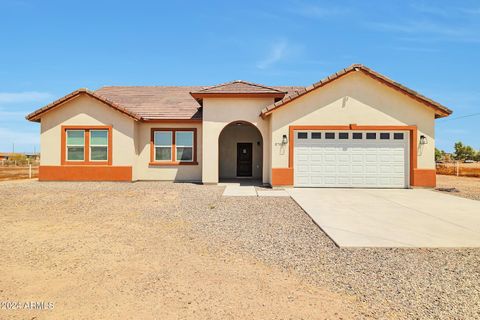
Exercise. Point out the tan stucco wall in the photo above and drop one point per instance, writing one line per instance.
(142, 170)
(86, 111)
(218, 113)
(354, 99)
(229, 138)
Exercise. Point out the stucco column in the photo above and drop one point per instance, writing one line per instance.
(210, 133)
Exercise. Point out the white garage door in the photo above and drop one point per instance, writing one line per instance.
(363, 159)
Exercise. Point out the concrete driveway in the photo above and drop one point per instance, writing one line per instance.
(392, 218)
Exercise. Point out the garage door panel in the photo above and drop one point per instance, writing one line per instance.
(357, 157)
(330, 169)
(357, 169)
(317, 180)
(351, 163)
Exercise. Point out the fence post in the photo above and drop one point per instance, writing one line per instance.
(457, 168)
(30, 171)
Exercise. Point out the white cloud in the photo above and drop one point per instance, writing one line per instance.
(7, 115)
(277, 52)
(427, 29)
(20, 138)
(434, 10)
(316, 11)
(473, 11)
(23, 97)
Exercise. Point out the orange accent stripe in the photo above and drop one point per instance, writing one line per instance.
(413, 141)
(282, 176)
(424, 178)
(85, 173)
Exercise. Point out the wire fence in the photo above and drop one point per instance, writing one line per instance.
(459, 169)
(14, 170)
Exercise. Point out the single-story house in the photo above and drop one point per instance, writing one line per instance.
(355, 128)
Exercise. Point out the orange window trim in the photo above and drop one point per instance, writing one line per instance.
(154, 162)
(65, 162)
(413, 141)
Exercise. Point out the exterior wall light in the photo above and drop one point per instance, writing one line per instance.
(423, 139)
(284, 139)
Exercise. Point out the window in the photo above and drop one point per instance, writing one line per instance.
(384, 135)
(302, 135)
(83, 145)
(330, 135)
(343, 135)
(163, 145)
(357, 135)
(184, 145)
(75, 145)
(316, 135)
(371, 136)
(173, 147)
(398, 136)
(98, 145)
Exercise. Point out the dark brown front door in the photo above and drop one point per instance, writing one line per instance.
(244, 160)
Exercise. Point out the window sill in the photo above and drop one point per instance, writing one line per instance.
(172, 163)
(86, 163)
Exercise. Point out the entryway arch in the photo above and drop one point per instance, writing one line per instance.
(240, 151)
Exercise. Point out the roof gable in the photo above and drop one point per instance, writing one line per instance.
(239, 86)
(440, 110)
(36, 115)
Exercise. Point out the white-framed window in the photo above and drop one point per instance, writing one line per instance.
(184, 145)
(75, 145)
(98, 145)
(162, 141)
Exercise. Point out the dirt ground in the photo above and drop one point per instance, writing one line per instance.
(13, 173)
(468, 187)
(96, 256)
(159, 250)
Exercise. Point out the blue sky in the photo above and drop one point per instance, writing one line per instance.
(50, 48)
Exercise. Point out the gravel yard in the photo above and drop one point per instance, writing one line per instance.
(166, 250)
(468, 187)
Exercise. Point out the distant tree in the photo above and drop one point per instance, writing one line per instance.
(463, 152)
(439, 155)
(18, 158)
(477, 156)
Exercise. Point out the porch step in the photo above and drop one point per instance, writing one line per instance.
(237, 190)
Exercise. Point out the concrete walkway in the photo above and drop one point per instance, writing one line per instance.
(248, 188)
(392, 218)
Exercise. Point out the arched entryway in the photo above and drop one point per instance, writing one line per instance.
(240, 151)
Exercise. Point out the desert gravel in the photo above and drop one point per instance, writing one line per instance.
(392, 283)
(466, 187)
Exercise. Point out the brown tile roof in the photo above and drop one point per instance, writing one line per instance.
(147, 103)
(36, 115)
(440, 110)
(156, 103)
